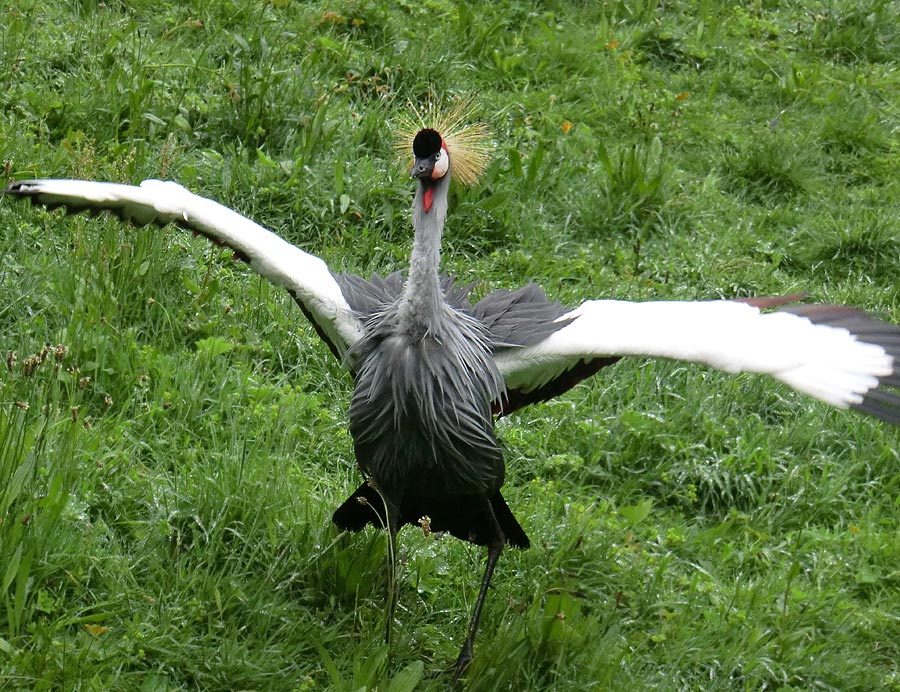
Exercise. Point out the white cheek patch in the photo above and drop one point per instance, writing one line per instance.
(441, 165)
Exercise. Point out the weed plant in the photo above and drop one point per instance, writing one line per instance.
(173, 434)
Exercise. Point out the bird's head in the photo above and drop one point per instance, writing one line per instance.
(431, 161)
(438, 135)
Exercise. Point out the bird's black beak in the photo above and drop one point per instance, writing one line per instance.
(422, 168)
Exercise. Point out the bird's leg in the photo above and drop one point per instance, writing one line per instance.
(392, 527)
(495, 543)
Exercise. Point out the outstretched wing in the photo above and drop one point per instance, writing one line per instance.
(305, 276)
(839, 355)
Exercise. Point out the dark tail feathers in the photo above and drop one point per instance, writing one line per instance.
(462, 516)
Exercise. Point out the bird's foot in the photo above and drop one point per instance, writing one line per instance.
(462, 663)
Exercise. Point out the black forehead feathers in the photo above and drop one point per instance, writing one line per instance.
(427, 143)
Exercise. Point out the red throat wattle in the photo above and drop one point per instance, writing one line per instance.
(428, 198)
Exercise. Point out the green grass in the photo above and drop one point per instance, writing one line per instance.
(168, 472)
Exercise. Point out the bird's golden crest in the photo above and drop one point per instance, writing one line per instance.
(468, 144)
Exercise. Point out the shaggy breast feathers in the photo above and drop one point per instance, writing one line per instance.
(423, 402)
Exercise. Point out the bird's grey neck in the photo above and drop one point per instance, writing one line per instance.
(421, 306)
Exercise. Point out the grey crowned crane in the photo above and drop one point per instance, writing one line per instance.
(432, 370)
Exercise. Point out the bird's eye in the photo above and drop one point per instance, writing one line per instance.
(437, 156)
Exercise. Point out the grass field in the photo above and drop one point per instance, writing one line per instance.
(173, 435)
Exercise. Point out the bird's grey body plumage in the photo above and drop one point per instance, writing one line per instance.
(421, 408)
(427, 387)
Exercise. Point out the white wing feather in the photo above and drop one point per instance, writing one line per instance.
(828, 363)
(306, 276)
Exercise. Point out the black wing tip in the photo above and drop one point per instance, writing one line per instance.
(23, 188)
(35, 192)
(881, 404)
(859, 322)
